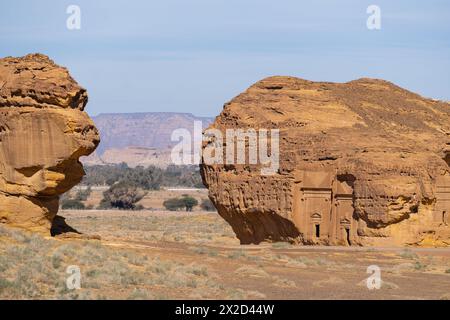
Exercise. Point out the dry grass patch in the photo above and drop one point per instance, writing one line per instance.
(35, 268)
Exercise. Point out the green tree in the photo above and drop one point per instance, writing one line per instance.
(122, 195)
(147, 178)
(174, 204)
(189, 202)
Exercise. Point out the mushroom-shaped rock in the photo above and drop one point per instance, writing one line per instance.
(43, 133)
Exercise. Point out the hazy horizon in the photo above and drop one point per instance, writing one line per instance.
(193, 56)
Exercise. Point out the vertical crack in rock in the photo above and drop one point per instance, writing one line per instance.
(43, 132)
(361, 163)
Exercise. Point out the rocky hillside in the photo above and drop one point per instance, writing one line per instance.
(140, 138)
(361, 163)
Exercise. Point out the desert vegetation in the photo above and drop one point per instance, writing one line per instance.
(147, 178)
(72, 204)
(176, 255)
(126, 196)
(185, 202)
(122, 195)
(124, 188)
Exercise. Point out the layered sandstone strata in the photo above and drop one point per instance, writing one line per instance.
(361, 163)
(43, 132)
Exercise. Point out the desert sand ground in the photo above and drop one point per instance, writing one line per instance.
(166, 255)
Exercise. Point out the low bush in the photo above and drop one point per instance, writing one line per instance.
(72, 204)
(185, 202)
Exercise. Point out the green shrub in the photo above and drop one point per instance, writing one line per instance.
(174, 204)
(419, 265)
(72, 204)
(408, 254)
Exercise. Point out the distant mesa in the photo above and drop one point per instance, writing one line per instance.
(362, 163)
(140, 138)
(43, 132)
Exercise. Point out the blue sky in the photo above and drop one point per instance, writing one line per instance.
(194, 55)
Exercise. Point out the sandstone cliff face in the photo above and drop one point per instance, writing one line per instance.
(43, 132)
(361, 163)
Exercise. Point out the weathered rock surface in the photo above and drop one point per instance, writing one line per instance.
(361, 163)
(43, 132)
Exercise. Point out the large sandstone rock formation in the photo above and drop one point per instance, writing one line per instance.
(43, 132)
(361, 163)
